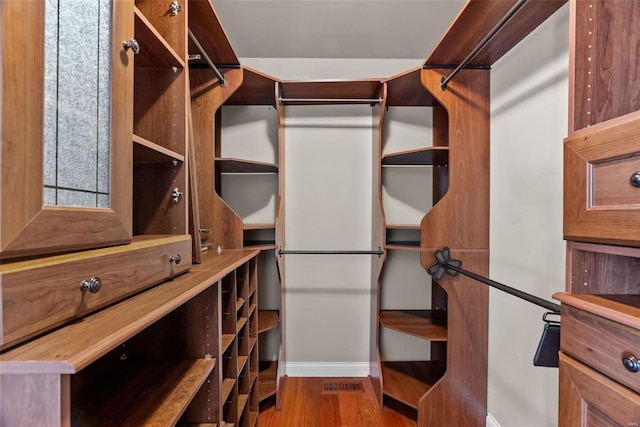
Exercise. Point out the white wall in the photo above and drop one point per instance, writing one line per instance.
(529, 99)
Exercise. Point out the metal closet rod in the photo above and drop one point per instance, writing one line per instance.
(206, 58)
(506, 18)
(281, 251)
(333, 100)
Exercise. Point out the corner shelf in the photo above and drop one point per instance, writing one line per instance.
(267, 379)
(427, 156)
(233, 165)
(426, 324)
(408, 381)
(267, 320)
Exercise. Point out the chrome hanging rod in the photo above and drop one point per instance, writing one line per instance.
(333, 100)
(281, 252)
(206, 58)
(506, 18)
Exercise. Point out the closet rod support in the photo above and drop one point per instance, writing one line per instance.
(333, 100)
(506, 18)
(207, 59)
(281, 252)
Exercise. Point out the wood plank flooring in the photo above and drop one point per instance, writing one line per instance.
(306, 404)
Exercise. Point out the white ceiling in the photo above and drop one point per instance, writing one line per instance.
(404, 29)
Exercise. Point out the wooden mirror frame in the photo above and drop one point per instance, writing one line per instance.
(27, 227)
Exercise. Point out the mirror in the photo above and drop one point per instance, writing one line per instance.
(77, 100)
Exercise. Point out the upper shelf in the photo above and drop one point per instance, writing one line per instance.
(231, 165)
(257, 89)
(155, 51)
(206, 26)
(418, 157)
(406, 90)
(477, 19)
(330, 91)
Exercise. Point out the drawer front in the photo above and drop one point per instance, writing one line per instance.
(601, 344)
(612, 183)
(39, 295)
(588, 398)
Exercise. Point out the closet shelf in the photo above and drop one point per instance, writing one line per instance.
(252, 344)
(241, 322)
(145, 393)
(406, 90)
(145, 151)
(253, 418)
(209, 31)
(408, 381)
(405, 245)
(257, 89)
(227, 339)
(425, 324)
(330, 90)
(261, 245)
(267, 379)
(257, 226)
(402, 226)
(227, 387)
(242, 361)
(155, 52)
(477, 19)
(427, 156)
(232, 165)
(267, 320)
(242, 403)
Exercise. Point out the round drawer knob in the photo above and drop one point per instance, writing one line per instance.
(176, 258)
(133, 45)
(93, 285)
(630, 362)
(635, 179)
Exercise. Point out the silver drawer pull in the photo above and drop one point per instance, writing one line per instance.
(630, 362)
(635, 179)
(133, 45)
(93, 285)
(176, 258)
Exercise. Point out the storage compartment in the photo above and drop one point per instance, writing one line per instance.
(41, 294)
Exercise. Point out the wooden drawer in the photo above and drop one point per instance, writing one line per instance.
(588, 398)
(600, 202)
(600, 343)
(38, 295)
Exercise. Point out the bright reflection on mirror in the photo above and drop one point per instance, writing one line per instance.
(77, 102)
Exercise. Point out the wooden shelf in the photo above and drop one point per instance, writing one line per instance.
(232, 165)
(425, 324)
(267, 320)
(406, 90)
(408, 381)
(477, 19)
(155, 52)
(145, 394)
(267, 379)
(145, 151)
(328, 89)
(257, 89)
(402, 226)
(265, 226)
(227, 386)
(242, 361)
(239, 303)
(427, 156)
(252, 344)
(241, 322)
(206, 26)
(253, 418)
(260, 245)
(227, 339)
(242, 403)
(411, 245)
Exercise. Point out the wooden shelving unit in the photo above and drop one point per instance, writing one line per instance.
(267, 320)
(426, 324)
(267, 379)
(407, 382)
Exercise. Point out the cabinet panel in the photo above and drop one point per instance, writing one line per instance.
(600, 203)
(592, 400)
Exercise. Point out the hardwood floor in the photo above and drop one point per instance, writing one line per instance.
(307, 404)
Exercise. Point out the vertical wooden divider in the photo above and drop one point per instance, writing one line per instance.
(207, 96)
(460, 220)
(378, 237)
(281, 376)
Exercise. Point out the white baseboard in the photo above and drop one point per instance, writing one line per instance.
(346, 369)
(491, 422)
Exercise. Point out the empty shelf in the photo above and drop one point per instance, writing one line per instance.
(407, 382)
(419, 157)
(426, 324)
(267, 320)
(230, 165)
(267, 379)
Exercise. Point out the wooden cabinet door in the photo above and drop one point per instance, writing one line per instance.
(28, 225)
(589, 399)
(601, 202)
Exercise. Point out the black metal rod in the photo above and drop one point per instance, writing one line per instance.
(510, 14)
(207, 59)
(379, 252)
(508, 289)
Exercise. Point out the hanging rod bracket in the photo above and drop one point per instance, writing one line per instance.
(207, 59)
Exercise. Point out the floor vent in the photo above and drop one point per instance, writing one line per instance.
(343, 386)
